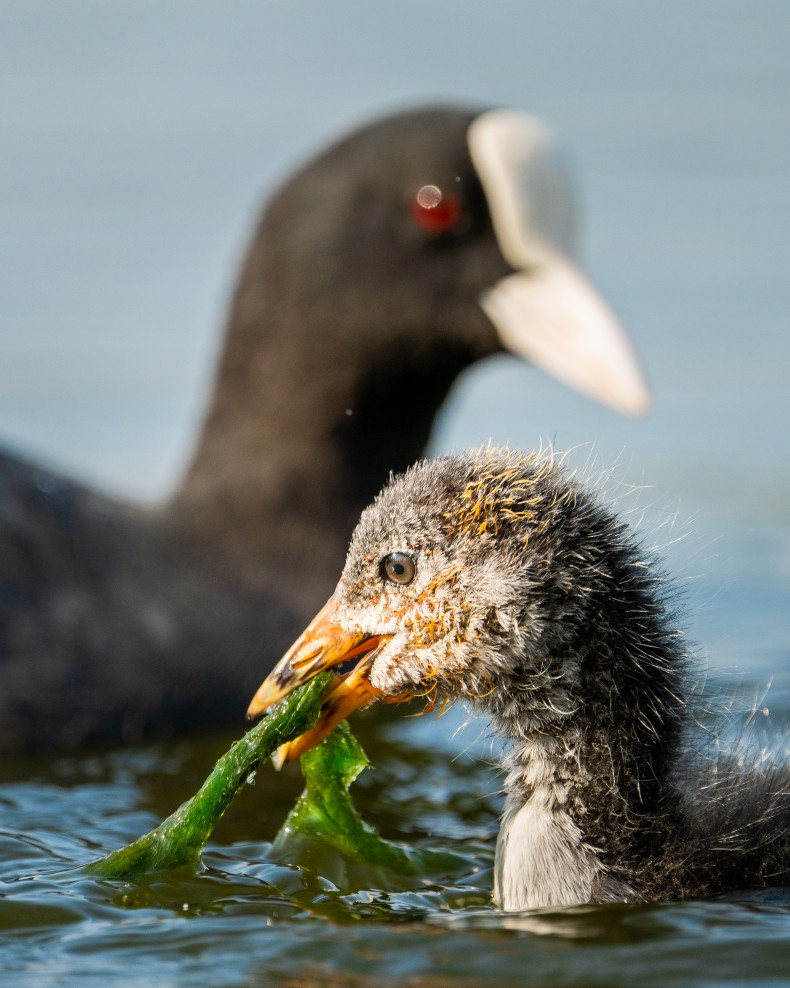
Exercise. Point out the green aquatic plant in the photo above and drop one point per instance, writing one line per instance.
(324, 813)
(179, 839)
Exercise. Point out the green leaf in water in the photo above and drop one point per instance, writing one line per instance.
(324, 813)
(179, 839)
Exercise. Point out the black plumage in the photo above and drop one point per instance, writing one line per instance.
(357, 306)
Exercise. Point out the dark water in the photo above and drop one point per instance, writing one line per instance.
(137, 139)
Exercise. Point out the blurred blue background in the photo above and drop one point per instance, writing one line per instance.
(139, 139)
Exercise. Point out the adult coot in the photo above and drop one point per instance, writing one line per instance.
(405, 252)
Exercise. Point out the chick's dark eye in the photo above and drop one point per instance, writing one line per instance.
(398, 567)
(434, 210)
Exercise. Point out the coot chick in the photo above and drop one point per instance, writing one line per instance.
(496, 579)
(407, 251)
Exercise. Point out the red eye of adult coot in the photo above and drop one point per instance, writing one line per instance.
(435, 211)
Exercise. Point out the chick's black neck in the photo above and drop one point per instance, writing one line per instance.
(603, 748)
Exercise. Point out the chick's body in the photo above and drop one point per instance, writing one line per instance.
(514, 590)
